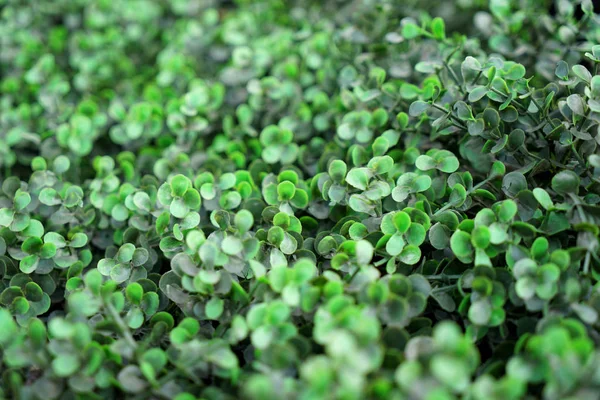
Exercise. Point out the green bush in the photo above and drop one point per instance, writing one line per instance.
(299, 199)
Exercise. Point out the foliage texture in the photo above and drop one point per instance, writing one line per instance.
(299, 199)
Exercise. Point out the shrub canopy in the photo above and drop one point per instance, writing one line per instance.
(299, 199)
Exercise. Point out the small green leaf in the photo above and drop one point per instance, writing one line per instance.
(78, 240)
(134, 292)
(582, 73)
(286, 190)
(480, 312)
(179, 185)
(460, 243)
(65, 364)
(29, 264)
(543, 198)
(438, 28)
(458, 195)
(401, 221)
(214, 308)
(410, 255)
(178, 208)
(232, 246)
(480, 237)
(425, 163)
(411, 30)
(48, 250)
(125, 253)
(418, 107)
(565, 182)
(21, 200)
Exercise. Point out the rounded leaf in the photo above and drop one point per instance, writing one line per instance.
(401, 221)
(566, 182)
(460, 243)
(179, 185)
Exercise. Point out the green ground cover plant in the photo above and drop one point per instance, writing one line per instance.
(299, 199)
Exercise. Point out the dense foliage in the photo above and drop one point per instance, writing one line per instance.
(299, 200)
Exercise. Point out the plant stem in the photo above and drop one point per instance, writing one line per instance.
(441, 277)
(121, 324)
(444, 288)
(586, 263)
(448, 205)
(454, 77)
(518, 104)
(353, 275)
(242, 305)
(456, 120)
